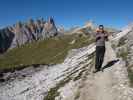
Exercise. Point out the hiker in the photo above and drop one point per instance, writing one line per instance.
(101, 37)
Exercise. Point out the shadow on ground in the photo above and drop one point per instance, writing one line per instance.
(110, 63)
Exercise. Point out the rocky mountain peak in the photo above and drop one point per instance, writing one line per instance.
(89, 24)
(29, 31)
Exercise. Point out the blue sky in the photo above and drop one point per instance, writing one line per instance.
(114, 13)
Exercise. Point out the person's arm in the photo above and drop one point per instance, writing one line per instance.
(97, 36)
(106, 36)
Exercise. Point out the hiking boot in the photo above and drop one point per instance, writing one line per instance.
(96, 70)
(102, 69)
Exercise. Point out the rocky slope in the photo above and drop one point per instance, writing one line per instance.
(44, 82)
(73, 79)
(88, 28)
(22, 33)
(123, 46)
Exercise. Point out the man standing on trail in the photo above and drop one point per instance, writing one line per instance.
(101, 37)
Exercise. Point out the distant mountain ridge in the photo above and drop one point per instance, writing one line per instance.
(21, 33)
(34, 30)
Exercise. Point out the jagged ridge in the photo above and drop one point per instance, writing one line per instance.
(21, 33)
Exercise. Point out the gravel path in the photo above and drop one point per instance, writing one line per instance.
(111, 84)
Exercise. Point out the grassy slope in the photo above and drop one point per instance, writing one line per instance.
(49, 51)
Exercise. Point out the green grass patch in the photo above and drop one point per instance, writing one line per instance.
(130, 75)
(77, 95)
(48, 51)
(123, 54)
(53, 92)
(121, 42)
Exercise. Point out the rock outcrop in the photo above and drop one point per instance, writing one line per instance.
(86, 29)
(124, 46)
(6, 38)
(22, 33)
(34, 83)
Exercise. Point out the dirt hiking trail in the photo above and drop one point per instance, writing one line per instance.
(106, 85)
